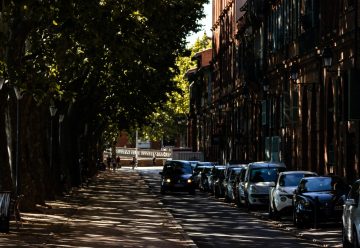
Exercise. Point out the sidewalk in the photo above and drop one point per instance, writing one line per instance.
(116, 210)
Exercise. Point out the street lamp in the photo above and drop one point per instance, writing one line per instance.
(19, 96)
(53, 110)
(266, 85)
(294, 72)
(61, 119)
(327, 57)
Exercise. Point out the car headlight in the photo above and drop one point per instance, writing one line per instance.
(168, 180)
(304, 203)
(282, 191)
(189, 180)
(253, 189)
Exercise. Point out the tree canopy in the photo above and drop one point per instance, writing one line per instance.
(169, 119)
(105, 64)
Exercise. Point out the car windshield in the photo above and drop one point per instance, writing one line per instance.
(178, 168)
(317, 184)
(207, 170)
(198, 169)
(290, 180)
(234, 173)
(264, 175)
(217, 171)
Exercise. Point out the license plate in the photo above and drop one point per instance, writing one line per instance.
(338, 207)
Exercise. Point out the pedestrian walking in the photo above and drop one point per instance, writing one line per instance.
(108, 161)
(118, 162)
(154, 160)
(134, 162)
(113, 162)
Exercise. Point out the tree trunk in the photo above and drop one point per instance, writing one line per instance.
(5, 172)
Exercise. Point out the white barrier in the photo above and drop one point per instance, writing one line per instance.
(143, 153)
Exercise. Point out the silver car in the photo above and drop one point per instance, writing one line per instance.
(351, 218)
(259, 177)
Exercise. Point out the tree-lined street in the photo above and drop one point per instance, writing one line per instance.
(125, 209)
(212, 223)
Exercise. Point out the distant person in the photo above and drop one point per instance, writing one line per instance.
(118, 162)
(108, 162)
(113, 161)
(134, 162)
(154, 160)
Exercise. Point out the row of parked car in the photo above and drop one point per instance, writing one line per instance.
(309, 198)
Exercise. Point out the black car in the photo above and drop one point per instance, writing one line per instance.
(214, 175)
(199, 167)
(318, 199)
(177, 175)
(204, 178)
(218, 182)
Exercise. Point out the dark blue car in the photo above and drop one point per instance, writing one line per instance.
(177, 175)
(319, 199)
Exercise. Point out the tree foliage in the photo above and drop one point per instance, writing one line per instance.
(106, 64)
(169, 120)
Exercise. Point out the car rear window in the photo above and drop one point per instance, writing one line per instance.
(264, 174)
(318, 184)
(290, 180)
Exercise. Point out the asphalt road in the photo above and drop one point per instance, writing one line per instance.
(210, 222)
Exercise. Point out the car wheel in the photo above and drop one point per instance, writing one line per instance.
(355, 240)
(276, 213)
(271, 213)
(162, 191)
(345, 241)
(241, 202)
(296, 220)
(238, 202)
(226, 198)
(216, 192)
(248, 205)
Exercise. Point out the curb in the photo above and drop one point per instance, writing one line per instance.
(188, 241)
(293, 231)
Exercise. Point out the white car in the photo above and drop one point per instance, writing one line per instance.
(281, 195)
(351, 217)
(259, 177)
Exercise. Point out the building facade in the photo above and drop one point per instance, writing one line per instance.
(274, 95)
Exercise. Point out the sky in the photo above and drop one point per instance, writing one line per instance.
(206, 23)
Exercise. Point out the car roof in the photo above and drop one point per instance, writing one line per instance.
(297, 172)
(204, 163)
(317, 178)
(236, 166)
(177, 161)
(204, 166)
(263, 164)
